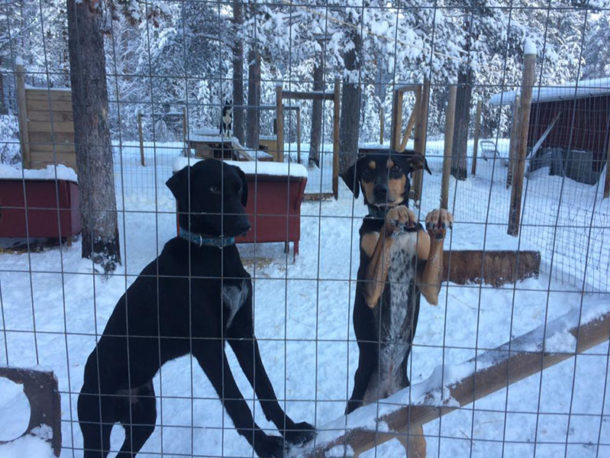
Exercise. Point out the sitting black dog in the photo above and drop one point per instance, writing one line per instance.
(190, 300)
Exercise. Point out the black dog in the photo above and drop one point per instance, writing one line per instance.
(226, 119)
(190, 300)
(398, 260)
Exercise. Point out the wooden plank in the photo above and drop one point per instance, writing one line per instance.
(311, 95)
(50, 147)
(449, 125)
(43, 95)
(47, 138)
(411, 122)
(48, 127)
(45, 105)
(498, 368)
(421, 136)
(45, 115)
(527, 85)
(477, 133)
(397, 97)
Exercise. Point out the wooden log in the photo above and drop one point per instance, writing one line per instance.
(494, 268)
(449, 124)
(495, 370)
(336, 119)
(310, 95)
(527, 84)
(421, 136)
(477, 133)
(22, 115)
(279, 106)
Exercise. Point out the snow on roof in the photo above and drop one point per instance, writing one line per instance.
(281, 169)
(566, 91)
(61, 172)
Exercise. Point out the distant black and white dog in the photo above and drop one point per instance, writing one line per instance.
(192, 299)
(226, 120)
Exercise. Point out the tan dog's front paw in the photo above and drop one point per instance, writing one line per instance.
(437, 222)
(398, 217)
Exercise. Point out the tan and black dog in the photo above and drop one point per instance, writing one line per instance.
(398, 261)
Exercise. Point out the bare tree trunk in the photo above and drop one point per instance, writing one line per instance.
(459, 163)
(238, 74)
(350, 108)
(100, 240)
(254, 99)
(316, 116)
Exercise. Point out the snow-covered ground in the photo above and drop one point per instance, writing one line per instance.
(303, 320)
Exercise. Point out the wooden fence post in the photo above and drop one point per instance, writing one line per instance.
(396, 119)
(184, 126)
(299, 135)
(421, 136)
(529, 73)
(607, 183)
(142, 160)
(477, 133)
(513, 145)
(279, 123)
(449, 124)
(336, 116)
(22, 116)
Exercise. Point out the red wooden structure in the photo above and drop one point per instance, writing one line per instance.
(51, 208)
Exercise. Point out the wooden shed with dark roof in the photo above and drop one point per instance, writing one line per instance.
(573, 118)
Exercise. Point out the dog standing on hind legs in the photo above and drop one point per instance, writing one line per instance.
(190, 300)
(398, 261)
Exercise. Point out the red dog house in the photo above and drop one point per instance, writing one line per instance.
(51, 204)
(275, 191)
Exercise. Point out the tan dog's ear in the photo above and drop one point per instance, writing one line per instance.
(350, 177)
(415, 161)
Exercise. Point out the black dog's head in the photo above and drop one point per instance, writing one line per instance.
(211, 198)
(383, 176)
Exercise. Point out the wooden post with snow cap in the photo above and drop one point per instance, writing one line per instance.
(527, 84)
(22, 115)
(140, 137)
(513, 145)
(449, 124)
(279, 104)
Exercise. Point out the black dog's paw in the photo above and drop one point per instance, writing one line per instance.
(270, 446)
(300, 433)
(352, 405)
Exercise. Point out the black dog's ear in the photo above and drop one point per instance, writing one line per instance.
(351, 180)
(178, 183)
(244, 187)
(416, 161)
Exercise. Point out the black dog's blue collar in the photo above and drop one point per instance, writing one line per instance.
(200, 240)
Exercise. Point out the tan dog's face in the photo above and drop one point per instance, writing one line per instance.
(384, 182)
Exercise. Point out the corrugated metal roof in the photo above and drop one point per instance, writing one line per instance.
(566, 91)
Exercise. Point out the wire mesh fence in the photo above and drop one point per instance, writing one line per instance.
(509, 367)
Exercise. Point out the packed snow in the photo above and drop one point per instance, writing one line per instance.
(303, 322)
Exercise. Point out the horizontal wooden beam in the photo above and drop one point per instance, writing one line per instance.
(312, 95)
(408, 88)
(497, 369)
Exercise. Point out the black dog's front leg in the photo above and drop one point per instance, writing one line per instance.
(248, 354)
(213, 361)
